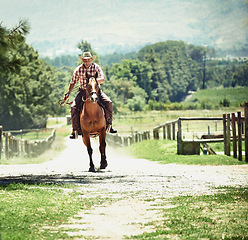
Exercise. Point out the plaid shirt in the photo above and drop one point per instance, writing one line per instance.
(80, 74)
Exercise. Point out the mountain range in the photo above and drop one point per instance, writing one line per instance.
(127, 25)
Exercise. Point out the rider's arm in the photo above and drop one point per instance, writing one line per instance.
(69, 91)
(74, 80)
(70, 88)
(100, 78)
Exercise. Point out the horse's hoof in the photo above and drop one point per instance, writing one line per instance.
(92, 169)
(104, 165)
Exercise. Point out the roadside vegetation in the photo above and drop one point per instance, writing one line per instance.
(219, 216)
(165, 152)
(43, 211)
(62, 130)
(34, 211)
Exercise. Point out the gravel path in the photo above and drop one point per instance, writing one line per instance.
(130, 181)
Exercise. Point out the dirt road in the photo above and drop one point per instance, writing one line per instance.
(130, 181)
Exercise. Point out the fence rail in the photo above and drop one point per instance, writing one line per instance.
(14, 146)
(116, 139)
(173, 130)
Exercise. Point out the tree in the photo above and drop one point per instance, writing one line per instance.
(9, 39)
(29, 91)
(143, 73)
(241, 76)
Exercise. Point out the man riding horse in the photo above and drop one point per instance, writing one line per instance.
(88, 68)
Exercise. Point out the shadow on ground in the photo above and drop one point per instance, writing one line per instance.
(59, 179)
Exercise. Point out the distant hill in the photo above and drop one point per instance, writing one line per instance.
(126, 26)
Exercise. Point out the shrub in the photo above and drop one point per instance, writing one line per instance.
(225, 103)
(137, 103)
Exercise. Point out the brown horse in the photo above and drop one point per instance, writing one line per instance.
(92, 121)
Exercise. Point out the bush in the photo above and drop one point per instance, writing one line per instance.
(225, 103)
(137, 103)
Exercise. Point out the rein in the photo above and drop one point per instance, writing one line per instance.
(63, 102)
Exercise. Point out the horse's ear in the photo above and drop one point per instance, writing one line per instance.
(96, 75)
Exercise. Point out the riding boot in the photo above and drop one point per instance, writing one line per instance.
(108, 110)
(75, 118)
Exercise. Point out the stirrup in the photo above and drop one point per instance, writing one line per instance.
(109, 129)
(74, 135)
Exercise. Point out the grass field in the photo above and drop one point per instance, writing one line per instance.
(34, 211)
(218, 216)
(165, 152)
(142, 121)
(37, 211)
(235, 96)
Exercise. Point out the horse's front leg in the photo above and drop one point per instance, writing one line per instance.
(86, 140)
(102, 149)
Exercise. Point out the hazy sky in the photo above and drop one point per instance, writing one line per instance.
(104, 22)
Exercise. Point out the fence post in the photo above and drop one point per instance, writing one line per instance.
(174, 131)
(209, 133)
(246, 131)
(156, 133)
(7, 145)
(228, 135)
(136, 136)
(26, 146)
(14, 145)
(1, 132)
(125, 139)
(179, 137)
(164, 132)
(169, 131)
(148, 134)
(239, 136)
(234, 136)
(131, 139)
(224, 133)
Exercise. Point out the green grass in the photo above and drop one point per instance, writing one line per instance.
(35, 211)
(56, 121)
(236, 96)
(35, 135)
(219, 216)
(165, 152)
(218, 147)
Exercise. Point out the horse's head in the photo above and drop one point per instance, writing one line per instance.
(92, 88)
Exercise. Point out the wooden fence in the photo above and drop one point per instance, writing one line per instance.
(169, 130)
(235, 131)
(192, 146)
(116, 139)
(173, 130)
(14, 146)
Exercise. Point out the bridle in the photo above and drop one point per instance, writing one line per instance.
(93, 95)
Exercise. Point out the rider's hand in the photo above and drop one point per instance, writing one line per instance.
(66, 96)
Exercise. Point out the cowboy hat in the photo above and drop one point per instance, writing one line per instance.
(86, 55)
